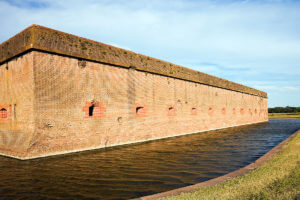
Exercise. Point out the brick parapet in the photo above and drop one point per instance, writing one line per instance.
(45, 39)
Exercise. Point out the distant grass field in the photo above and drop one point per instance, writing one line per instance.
(278, 178)
(284, 115)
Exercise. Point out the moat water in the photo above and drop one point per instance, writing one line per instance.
(142, 169)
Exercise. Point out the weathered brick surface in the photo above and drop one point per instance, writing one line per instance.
(51, 95)
(17, 97)
(63, 91)
(46, 39)
(16, 45)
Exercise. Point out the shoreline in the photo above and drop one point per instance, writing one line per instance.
(237, 173)
(295, 115)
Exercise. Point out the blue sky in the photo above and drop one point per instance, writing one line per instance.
(256, 43)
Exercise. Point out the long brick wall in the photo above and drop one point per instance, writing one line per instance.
(57, 103)
(45, 39)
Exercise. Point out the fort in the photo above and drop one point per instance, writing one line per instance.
(61, 93)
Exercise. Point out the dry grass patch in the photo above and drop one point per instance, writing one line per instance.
(284, 115)
(278, 178)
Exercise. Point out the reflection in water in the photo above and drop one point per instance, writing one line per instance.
(141, 169)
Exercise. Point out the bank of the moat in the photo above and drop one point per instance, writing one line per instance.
(137, 170)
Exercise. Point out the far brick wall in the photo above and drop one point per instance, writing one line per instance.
(64, 89)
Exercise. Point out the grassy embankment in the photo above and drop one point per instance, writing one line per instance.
(278, 178)
(284, 115)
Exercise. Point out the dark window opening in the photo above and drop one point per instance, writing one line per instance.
(194, 111)
(119, 119)
(91, 110)
(139, 109)
(3, 113)
(171, 111)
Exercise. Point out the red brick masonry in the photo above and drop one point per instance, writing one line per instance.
(64, 93)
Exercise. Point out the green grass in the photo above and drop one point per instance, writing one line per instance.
(278, 178)
(284, 115)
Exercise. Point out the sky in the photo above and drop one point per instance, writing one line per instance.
(255, 43)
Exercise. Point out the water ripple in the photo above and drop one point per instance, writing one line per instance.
(141, 169)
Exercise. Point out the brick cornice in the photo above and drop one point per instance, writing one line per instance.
(45, 39)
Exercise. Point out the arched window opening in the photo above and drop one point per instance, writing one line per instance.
(3, 113)
(210, 111)
(171, 111)
(93, 109)
(224, 111)
(242, 111)
(194, 111)
(139, 110)
(119, 119)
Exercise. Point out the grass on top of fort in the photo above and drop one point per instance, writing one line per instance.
(278, 178)
(284, 115)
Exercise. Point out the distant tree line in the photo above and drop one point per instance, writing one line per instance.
(286, 109)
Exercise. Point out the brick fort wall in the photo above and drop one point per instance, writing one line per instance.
(55, 101)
